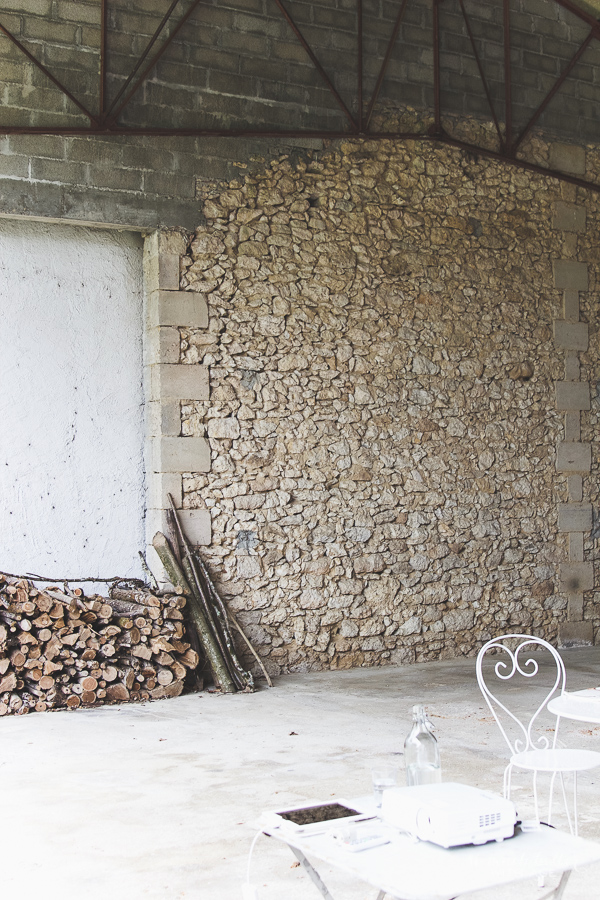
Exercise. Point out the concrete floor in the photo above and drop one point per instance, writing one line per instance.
(160, 801)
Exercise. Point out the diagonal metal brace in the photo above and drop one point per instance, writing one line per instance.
(312, 873)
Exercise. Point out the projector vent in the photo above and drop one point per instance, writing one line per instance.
(489, 819)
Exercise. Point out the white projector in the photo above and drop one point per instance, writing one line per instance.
(449, 814)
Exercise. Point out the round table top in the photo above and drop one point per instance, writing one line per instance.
(582, 706)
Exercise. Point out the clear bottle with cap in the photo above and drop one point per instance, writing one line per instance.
(421, 751)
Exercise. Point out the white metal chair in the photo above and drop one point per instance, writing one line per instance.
(530, 749)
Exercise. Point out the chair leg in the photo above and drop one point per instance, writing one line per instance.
(535, 796)
(507, 776)
(566, 802)
(575, 804)
(551, 796)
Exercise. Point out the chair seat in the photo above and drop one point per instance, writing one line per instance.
(559, 760)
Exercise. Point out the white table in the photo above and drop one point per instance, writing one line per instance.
(409, 870)
(577, 705)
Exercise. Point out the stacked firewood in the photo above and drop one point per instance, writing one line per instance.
(59, 648)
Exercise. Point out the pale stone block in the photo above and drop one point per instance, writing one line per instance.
(162, 484)
(196, 525)
(568, 217)
(572, 366)
(575, 488)
(181, 454)
(576, 547)
(168, 272)
(177, 308)
(574, 517)
(570, 274)
(571, 306)
(572, 395)
(179, 382)
(248, 566)
(571, 335)
(572, 456)
(575, 607)
(572, 426)
(576, 577)
(575, 634)
(162, 345)
(567, 158)
(164, 418)
(569, 245)
(171, 241)
(156, 520)
(224, 428)
(161, 271)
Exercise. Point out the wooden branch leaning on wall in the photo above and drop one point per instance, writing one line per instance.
(209, 614)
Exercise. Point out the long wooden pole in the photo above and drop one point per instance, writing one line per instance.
(205, 635)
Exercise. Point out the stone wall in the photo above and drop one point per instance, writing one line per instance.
(383, 419)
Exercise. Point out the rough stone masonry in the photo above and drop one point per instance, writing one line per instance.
(382, 420)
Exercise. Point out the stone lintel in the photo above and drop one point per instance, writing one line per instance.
(184, 454)
(572, 456)
(570, 274)
(572, 395)
(574, 517)
(576, 577)
(571, 335)
(177, 308)
(575, 634)
(179, 382)
(569, 217)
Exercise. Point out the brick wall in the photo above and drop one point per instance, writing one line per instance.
(238, 64)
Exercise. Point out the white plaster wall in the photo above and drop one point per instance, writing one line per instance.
(71, 401)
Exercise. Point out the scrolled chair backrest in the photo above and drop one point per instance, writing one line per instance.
(513, 664)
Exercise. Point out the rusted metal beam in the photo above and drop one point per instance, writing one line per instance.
(385, 62)
(48, 74)
(327, 135)
(519, 163)
(116, 112)
(437, 104)
(103, 28)
(144, 55)
(481, 73)
(554, 89)
(317, 65)
(507, 76)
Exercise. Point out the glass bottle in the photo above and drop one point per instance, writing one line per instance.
(421, 751)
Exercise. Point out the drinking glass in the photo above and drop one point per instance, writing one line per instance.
(384, 776)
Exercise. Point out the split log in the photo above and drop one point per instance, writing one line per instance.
(76, 650)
